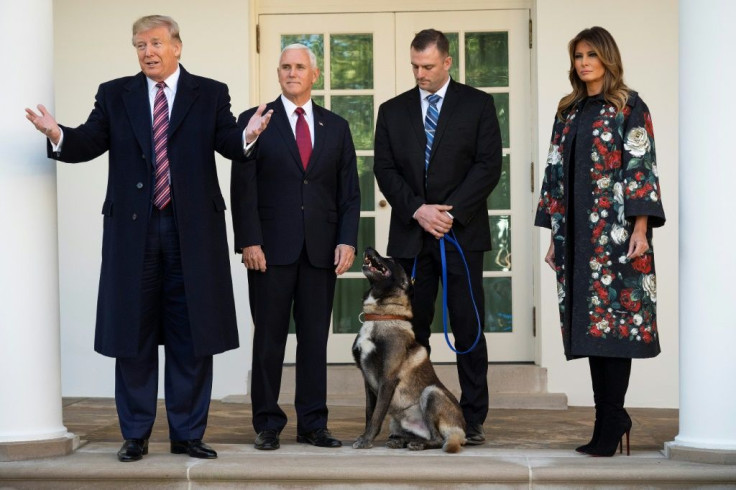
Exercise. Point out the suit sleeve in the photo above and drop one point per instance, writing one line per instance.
(348, 193)
(88, 140)
(404, 201)
(228, 135)
(485, 172)
(244, 197)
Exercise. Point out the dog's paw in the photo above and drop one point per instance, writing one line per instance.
(396, 443)
(415, 446)
(362, 443)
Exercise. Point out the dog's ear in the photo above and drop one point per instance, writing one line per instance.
(402, 279)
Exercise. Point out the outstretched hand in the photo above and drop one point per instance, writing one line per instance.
(257, 124)
(45, 123)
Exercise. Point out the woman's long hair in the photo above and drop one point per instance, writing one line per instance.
(615, 90)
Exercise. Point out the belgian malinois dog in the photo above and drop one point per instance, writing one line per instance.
(399, 378)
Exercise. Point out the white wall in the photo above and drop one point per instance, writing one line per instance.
(92, 42)
(92, 45)
(647, 35)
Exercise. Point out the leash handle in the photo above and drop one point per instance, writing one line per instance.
(454, 241)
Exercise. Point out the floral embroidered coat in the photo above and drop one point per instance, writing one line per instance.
(601, 174)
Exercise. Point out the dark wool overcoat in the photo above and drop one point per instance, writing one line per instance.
(200, 124)
(601, 174)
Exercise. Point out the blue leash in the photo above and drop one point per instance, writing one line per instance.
(450, 236)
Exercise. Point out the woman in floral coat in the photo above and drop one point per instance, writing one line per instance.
(601, 199)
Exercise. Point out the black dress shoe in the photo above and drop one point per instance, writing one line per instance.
(194, 448)
(474, 435)
(133, 450)
(267, 440)
(319, 438)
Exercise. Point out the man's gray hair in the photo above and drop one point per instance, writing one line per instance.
(312, 56)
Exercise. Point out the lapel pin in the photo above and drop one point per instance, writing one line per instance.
(321, 123)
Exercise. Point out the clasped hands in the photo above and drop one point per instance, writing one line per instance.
(435, 219)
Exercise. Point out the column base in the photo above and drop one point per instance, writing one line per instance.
(678, 452)
(48, 448)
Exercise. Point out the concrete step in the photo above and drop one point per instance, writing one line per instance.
(94, 466)
(522, 386)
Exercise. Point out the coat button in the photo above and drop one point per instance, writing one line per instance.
(302, 208)
(306, 181)
(139, 185)
(134, 217)
(143, 156)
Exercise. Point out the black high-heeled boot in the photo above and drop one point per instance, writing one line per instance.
(596, 377)
(615, 421)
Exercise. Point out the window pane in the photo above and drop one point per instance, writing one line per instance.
(358, 110)
(366, 237)
(500, 198)
(499, 259)
(487, 59)
(319, 100)
(498, 304)
(316, 43)
(348, 304)
(455, 53)
(365, 176)
(502, 111)
(351, 61)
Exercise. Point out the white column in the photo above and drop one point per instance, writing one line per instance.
(707, 233)
(30, 380)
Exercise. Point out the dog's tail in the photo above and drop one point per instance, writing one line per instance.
(454, 439)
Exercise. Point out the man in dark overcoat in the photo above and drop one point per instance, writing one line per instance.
(165, 268)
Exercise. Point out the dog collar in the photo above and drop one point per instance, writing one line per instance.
(369, 317)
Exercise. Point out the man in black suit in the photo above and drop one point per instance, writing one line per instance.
(437, 158)
(165, 269)
(295, 214)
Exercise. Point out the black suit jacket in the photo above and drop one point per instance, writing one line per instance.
(200, 124)
(282, 207)
(464, 167)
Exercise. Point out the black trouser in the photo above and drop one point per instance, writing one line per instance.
(187, 378)
(472, 367)
(272, 293)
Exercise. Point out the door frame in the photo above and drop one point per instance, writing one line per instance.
(291, 7)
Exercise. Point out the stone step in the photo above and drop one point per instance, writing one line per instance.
(522, 386)
(94, 466)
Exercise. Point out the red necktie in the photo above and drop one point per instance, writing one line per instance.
(303, 138)
(161, 189)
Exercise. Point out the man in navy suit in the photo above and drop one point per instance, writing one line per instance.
(165, 270)
(437, 186)
(295, 214)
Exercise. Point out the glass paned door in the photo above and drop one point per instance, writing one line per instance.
(355, 54)
(490, 52)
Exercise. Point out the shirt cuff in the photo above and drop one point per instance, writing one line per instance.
(57, 148)
(248, 147)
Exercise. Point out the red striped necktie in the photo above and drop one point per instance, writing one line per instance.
(162, 187)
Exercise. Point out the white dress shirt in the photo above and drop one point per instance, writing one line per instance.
(290, 108)
(423, 94)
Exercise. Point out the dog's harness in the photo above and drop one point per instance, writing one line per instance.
(450, 236)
